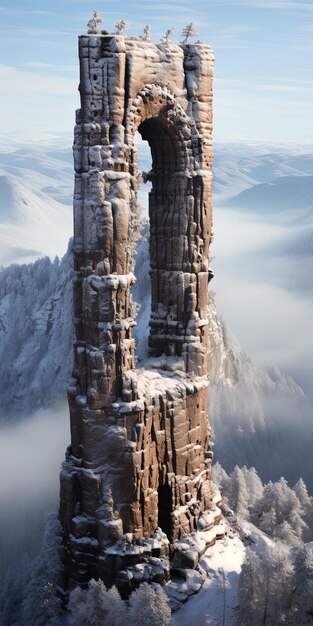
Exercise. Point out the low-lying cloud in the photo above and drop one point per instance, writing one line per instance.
(31, 453)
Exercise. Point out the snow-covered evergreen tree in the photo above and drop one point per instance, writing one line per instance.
(251, 608)
(94, 22)
(220, 478)
(96, 606)
(241, 490)
(121, 26)
(253, 483)
(265, 587)
(302, 594)
(149, 605)
(277, 507)
(306, 502)
(77, 607)
(238, 495)
(278, 585)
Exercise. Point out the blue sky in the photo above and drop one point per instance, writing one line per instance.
(263, 72)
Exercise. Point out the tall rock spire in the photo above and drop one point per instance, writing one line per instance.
(137, 473)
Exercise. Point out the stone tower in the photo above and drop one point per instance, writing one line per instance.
(140, 455)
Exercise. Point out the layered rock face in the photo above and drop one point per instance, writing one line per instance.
(140, 455)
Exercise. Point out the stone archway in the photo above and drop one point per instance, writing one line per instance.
(139, 435)
(180, 217)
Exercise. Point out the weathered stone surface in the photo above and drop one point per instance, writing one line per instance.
(139, 456)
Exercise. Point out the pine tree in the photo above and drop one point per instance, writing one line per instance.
(302, 595)
(253, 483)
(277, 505)
(251, 590)
(285, 533)
(149, 606)
(94, 22)
(268, 521)
(265, 587)
(189, 31)
(220, 478)
(306, 502)
(77, 607)
(121, 26)
(278, 584)
(238, 495)
(96, 606)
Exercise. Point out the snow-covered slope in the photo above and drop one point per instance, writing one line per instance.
(217, 601)
(260, 417)
(35, 334)
(32, 224)
(36, 186)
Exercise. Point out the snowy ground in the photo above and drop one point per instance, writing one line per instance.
(217, 601)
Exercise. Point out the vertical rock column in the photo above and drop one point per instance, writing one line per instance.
(139, 454)
(96, 480)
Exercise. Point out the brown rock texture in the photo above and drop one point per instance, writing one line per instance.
(140, 455)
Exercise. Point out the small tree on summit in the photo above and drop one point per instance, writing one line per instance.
(189, 31)
(93, 23)
(146, 33)
(167, 35)
(121, 26)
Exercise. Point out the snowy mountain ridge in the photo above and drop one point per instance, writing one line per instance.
(36, 187)
(35, 334)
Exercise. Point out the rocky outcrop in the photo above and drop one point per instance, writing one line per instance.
(140, 443)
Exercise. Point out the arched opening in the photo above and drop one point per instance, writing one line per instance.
(178, 229)
(141, 290)
(144, 161)
(169, 223)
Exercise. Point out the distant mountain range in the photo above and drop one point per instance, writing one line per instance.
(288, 198)
(274, 183)
(35, 202)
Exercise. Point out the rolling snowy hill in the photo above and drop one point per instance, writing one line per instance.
(36, 186)
(288, 198)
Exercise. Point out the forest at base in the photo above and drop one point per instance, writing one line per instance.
(275, 582)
